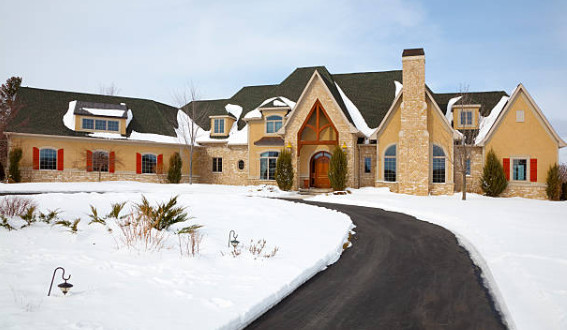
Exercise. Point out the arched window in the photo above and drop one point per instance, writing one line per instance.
(149, 163)
(268, 161)
(273, 124)
(438, 164)
(390, 164)
(100, 161)
(48, 159)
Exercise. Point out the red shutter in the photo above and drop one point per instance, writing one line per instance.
(533, 170)
(60, 160)
(35, 158)
(138, 163)
(111, 159)
(89, 161)
(159, 164)
(506, 164)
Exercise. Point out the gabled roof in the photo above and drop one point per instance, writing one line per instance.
(43, 110)
(487, 100)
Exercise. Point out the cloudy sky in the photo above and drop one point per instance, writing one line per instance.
(151, 49)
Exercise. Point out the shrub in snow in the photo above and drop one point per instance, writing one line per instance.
(493, 181)
(14, 169)
(95, 218)
(12, 206)
(553, 182)
(284, 170)
(115, 210)
(174, 171)
(190, 244)
(138, 232)
(162, 216)
(338, 169)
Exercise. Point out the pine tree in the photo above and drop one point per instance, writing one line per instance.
(553, 181)
(174, 171)
(284, 170)
(338, 169)
(14, 170)
(493, 181)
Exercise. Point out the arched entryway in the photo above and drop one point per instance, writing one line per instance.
(319, 170)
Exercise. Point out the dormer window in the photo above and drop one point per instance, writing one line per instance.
(88, 123)
(273, 124)
(97, 117)
(466, 118)
(100, 125)
(218, 126)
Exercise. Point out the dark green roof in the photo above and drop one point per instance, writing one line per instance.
(487, 100)
(43, 111)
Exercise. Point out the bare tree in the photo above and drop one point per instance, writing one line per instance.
(110, 90)
(93, 160)
(464, 148)
(187, 100)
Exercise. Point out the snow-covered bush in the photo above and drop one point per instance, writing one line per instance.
(284, 170)
(553, 182)
(162, 216)
(493, 180)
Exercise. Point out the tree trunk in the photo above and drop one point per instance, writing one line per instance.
(464, 195)
(191, 164)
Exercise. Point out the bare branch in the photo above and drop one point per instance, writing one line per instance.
(110, 90)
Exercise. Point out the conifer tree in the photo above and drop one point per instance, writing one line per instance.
(493, 181)
(14, 170)
(553, 181)
(284, 170)
(338, 169)
(174, 171)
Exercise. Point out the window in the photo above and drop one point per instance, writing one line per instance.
(268, 165)
(219, 126)
(113, 125)
(217, 164)
(520, 116)
(48, 159)
(519, 169)
(100, 161)
(100, 125)
(149, 162)
(241, 164)
(468, 166)
(273, 124)
(466, 117)
(390, 164)
(88, 123)
(367, 165)
(438, 164)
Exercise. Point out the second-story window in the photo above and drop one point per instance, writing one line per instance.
(273, 124)
(100, 125)
(466, 118)
(113, 125)
(88, 123)
(218, 126)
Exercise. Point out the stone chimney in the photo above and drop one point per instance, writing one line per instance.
(413, 153)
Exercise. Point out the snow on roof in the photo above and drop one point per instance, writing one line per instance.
(129, 117)
(105, 112)
(106, 135)
(153, 137)
(234, 109)
(254, 114)
(399, 87)
(486, 123)
(357, 118)
(238, 136)
(69, 117)
(449, 113)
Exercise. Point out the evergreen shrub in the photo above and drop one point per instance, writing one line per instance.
(174, 171)
(338, 169)
(553, 181)
(14, 170)
(284, 170)
(493, 180)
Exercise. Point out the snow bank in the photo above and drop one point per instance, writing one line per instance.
(357, 118)
(449, 113)
(69, 117)
(520, 244)
(123, 289)
(487, 122)
(398, 86)
(235, 110)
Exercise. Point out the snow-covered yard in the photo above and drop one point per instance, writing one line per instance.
(520, 244)
(120, 288)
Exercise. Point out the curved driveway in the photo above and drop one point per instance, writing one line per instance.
(399, 274)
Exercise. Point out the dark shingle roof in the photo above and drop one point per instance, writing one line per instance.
(487, 100)
(82, 108)
(43, 110)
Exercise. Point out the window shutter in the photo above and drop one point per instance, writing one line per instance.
(60, 160)
(159, 164)
(89, 161)
(138, 163)
(533, 170)
(506, 164)
(35, 158)
(111, 159)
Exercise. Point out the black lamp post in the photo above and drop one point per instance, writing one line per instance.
(65, 287)
(232, 239)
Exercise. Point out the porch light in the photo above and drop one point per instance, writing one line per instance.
(232, 239)
(288, 146)
(344, 146)
(65, 287)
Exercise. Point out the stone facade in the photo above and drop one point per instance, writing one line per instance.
(367, 151)
(473, 180)
(526, 190)
(230, 155)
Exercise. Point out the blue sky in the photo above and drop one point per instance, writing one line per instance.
(151, 49)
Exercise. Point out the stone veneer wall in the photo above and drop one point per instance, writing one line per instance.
(473, 180)
(526, 190)
(367, 150)
(77, 175)
(392, 185)
(230, 155)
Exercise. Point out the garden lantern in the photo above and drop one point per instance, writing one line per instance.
(65, 287)
(232, 239)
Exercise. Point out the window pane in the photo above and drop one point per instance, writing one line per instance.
(468, 166)
(274, 118)
(112, 125)
(278, 125)
(438, 151)
(221, 125)
(439, 170)
(367, 165)
(391, 151)
(47, 159)
(272, 169)
(149, 163)
(100, 125)
(390, 169)
(88, 123)
(263, 168)
(520, 167)
(240, 164)
(100, 161)
(270, 127)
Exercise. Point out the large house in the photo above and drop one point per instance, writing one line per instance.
(396, 132)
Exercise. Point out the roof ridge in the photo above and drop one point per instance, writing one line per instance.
(365, 72)
(483, 92)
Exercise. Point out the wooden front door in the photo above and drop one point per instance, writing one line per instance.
(320, 170)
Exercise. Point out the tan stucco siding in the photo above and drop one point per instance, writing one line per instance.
(440, 134)
(528, 139)
(388, 137)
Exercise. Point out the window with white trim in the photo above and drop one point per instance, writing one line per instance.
(218, 126)
(268, 162)
(390, 164)
(273, 124)
(520, 116)
(466, 118)
(88, 123)
(438, 164)
(48, 159)
(519, 169)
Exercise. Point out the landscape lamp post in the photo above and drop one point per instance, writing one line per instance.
(65, 287)
(232, 239)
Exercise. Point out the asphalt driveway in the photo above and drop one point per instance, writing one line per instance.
(400, 273)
